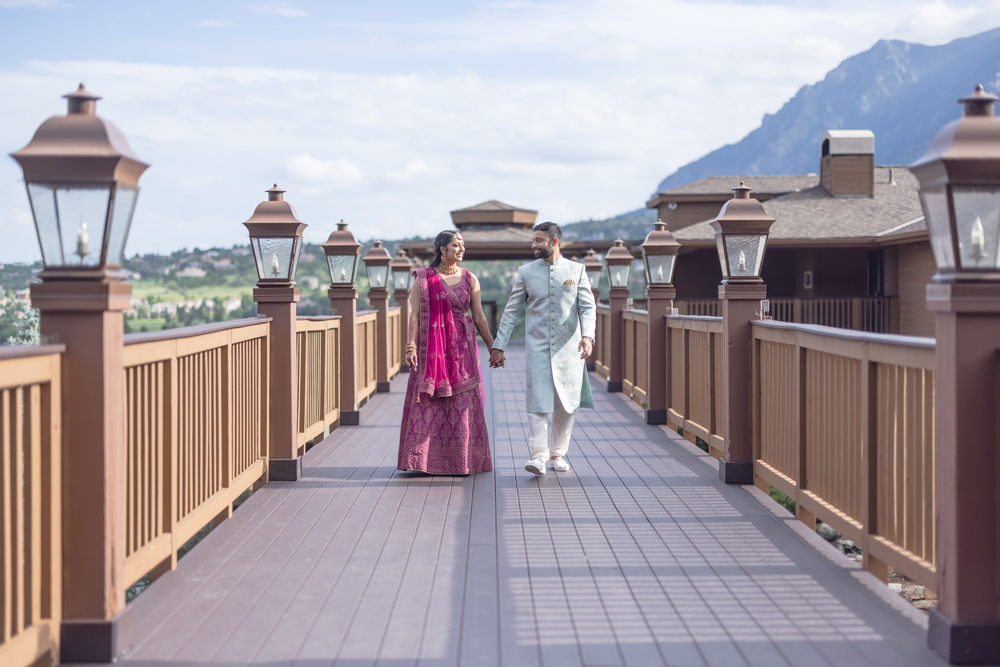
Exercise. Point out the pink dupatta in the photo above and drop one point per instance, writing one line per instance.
(447, 340)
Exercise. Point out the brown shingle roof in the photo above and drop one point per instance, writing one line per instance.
(494, 205)
(505, 235)
(716, 185)
(813, 214)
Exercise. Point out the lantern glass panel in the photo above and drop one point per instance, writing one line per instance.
(70, 222)
(745, 253)
(619, 275)
(295, 258)
(343, 269)
(377, 275)
(274, 257)
(977, 223)
(659, 269)
(935, 202)
(401, 278)
(722, 254)
(121, 219)
(595, 276)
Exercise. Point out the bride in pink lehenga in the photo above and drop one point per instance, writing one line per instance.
(443, 429)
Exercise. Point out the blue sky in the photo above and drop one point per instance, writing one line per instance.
(391, 114)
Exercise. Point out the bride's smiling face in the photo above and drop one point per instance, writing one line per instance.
(454, 251)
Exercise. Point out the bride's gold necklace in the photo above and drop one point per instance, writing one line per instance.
(448, 271)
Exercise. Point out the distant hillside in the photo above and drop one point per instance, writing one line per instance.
(900, 91)
(632, 225)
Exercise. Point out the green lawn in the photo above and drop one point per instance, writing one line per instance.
(155, 324)
(171, 293)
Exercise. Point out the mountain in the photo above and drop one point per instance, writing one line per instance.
(902, 92)
(632, 225)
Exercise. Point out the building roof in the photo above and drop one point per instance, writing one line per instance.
(493, 214)
(723, 185)
(494, 205)
(812, 214)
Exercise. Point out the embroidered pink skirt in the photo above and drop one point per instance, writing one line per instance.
(443, 436)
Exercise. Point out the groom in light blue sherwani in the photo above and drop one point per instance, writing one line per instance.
(559, 336)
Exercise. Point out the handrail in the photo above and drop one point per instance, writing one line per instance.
(196, 433)
(843, 424)
(635, 329)
(31, 503)
(602, 351)
(876, 314)
(29, 351)
(192, 331)
(694, 379)
(318, 363)
(364, 345)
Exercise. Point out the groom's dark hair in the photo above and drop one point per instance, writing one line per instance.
(551, 230)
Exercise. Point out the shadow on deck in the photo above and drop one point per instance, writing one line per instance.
(637, 556)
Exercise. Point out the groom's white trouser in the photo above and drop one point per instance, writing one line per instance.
(548, 434)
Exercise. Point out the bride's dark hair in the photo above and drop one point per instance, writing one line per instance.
(440, 241)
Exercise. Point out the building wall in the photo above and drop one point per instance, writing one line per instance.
(841, 272)
(697, 275)
(916, 268)
(688, 213)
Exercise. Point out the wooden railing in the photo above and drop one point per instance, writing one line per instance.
(394, 354)
(635, 366)
(697, 307)
(364, 344)
(844, 425)
(694, 379)
(873, 314)
(30, 504)
(602, 353)
(318, 348)
(196, 433)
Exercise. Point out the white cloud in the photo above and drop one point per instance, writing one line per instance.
(338, 172)
(413, 169)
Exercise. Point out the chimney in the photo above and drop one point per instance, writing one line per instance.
(847, 164)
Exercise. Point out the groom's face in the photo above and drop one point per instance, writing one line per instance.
(541, 245)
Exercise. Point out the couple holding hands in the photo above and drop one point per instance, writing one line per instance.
(443, 429)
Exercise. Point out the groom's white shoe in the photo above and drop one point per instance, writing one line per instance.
(536, 466)
(559, 464)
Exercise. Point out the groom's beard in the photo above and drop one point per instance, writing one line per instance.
(544, 252)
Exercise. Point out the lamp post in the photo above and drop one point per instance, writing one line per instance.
(342, 253)
(402, 281)
(619, 261)
(741, 231)
(82, 183)
(276, 239)
(594, 267)
(377, 261)
(659, 255)
(960, 192)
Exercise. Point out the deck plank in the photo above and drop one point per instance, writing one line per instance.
(636, 556)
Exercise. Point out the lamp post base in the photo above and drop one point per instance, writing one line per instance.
(614, 387)
(285, 470)
(963, 643)
(350, 417)
(656, 416)
(382, 388)
(736, 472)
(88, 641)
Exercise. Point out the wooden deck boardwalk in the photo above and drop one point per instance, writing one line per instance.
(637, 556)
